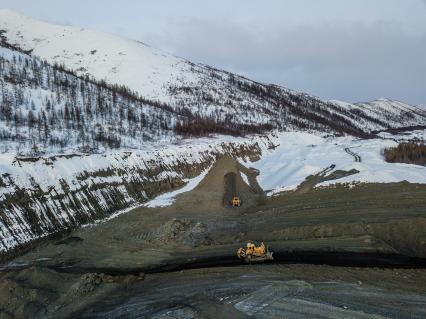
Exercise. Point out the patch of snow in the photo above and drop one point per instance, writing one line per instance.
(169, 198)
(245, 178)
(302, 154)
(115, 215)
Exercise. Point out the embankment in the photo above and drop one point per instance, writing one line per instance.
(47, 195)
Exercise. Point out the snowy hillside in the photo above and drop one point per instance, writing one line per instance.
(301, 154)
(46, 109)
(41, 196)
(391, 110)
(91, 124)
(104, 56)
(202, 90)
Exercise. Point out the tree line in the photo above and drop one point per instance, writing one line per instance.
(409, 152)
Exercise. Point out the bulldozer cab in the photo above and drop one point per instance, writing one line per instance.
(256, 250)
(250, 249)
(236, 201)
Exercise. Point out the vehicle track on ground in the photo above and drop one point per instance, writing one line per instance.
(357, 158)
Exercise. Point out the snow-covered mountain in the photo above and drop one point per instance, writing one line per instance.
(120, 61)
(387, 110)
(91, 123)
(202, 91)
(47, 109)
(390, 109)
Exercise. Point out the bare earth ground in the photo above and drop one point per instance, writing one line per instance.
(121, 268)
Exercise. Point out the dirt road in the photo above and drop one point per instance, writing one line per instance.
(355, 155)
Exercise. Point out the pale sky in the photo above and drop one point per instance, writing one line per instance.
(352, 50)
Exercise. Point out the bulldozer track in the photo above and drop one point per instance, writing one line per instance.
(355, 155)
(144, 236)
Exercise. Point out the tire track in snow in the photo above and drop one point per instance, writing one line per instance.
(355, 155)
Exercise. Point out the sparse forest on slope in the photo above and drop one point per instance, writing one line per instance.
(44, 106)
(122, 93)
(410, 153)
(49, 108)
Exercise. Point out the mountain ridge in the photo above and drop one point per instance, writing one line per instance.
(205, 92)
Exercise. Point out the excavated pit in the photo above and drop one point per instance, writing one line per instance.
(361, 233)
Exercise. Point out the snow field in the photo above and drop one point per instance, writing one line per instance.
(169, 198)
(301, 154)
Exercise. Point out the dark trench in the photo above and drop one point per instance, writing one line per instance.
(338, 259)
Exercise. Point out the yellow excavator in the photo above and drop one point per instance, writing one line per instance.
(253, 253)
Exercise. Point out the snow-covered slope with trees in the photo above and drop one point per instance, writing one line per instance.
(46, 108)
(391, 110)
(201, 90)
(91, 123)
(43, 195)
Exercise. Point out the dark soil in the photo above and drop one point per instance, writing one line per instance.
(98, 272)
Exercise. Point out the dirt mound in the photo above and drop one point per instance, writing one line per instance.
(223, 182)
(183, 232)
(87, 283)
(29, 292)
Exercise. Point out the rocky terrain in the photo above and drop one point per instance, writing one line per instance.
(126, 267)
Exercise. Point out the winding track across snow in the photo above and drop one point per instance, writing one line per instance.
(355, 155)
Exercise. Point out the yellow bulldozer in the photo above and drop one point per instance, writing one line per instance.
(253, 253)
(236, 202)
